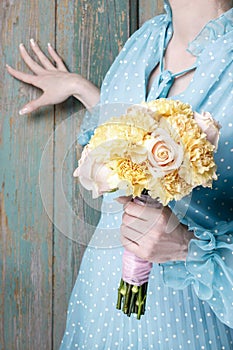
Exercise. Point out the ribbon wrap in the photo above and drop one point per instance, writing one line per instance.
(135, 270)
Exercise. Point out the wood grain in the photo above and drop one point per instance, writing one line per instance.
(26, 232)
(89, 36)
(149, 9)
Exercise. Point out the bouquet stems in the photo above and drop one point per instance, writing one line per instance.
(132, 299)
(132, 290)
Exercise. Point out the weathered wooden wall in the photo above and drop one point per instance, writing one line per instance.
(148, 9)
(97, 31)
(39, 255)
(26, 233)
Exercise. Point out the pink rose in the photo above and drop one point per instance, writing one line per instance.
(209, 126)
(164, 154)
(93, 175)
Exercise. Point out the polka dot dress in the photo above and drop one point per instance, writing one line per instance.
(190, 304)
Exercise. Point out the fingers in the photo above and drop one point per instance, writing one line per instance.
(26, 78)
(57, 59)
(130, 233)
(134, 222)
(34, 105)
(132, 206)
(124, 199)
(41, 56)
(35, 67)
(130, 245)
(46, 63)
(140, 225)
(136, 210)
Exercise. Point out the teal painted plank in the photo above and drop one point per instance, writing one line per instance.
(101, 29)
(149, 9)
(89, 36)
(25, 230)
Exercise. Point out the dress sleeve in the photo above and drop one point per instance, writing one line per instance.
(88, 125)
(209, 268)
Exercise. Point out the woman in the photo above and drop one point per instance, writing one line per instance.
(185, 54)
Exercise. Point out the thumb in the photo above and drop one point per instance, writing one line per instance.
(33, 105)
(124, 199)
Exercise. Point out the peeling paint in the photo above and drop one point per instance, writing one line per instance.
(101, 9)
(6, 234)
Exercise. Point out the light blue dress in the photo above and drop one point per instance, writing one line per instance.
(190, 304)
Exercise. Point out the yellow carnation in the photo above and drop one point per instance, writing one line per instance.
(184, 124)
(164, 107)
(120, 131)
(136, 176)
(138, 116)
(169, 187)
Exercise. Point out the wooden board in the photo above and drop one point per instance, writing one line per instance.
(89, 36)
(25, 231)
(149, 9)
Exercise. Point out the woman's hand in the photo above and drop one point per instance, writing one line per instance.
(153, 233)
(55, 81)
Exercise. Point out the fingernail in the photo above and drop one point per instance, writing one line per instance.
(32, 41)
(23, 111)
(139, 202)
(21, 45)
(49, 45)
(7, 65)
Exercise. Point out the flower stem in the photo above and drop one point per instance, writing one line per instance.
(141, 300)
(127, 299)
(132, 299)
(121, 293)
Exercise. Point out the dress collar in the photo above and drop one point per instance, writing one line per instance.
(211, 32)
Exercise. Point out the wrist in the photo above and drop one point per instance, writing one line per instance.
(85, 91)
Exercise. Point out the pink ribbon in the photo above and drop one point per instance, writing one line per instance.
(135, 270)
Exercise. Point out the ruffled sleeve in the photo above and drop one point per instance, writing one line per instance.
(209, 268)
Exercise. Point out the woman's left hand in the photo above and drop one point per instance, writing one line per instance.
(153, 233)
(56, 82)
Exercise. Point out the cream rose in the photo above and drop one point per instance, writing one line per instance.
(93, 175)
(209, 126)
(164, 154)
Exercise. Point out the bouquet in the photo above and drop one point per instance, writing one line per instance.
(161, 148)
